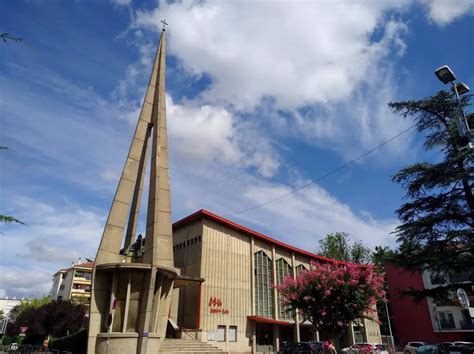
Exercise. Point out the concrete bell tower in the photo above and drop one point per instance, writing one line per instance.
(133, 276)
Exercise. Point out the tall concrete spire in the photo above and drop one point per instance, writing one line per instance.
(133, 277)
(159, 251)
(125, 206)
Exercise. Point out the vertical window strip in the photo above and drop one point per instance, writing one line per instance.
(263, 285)
(283, 271)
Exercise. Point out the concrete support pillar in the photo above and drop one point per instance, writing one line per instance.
(252, 275)
(276, 305)
(276, 338)
(127, 302)
(351, 334)
(145, 311)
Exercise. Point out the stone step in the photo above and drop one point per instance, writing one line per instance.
(186, 343)
(190, 348)
(187, 346)
(190, 352)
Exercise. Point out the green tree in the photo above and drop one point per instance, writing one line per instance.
(437, 220)
(338, 246)
(55, 318)
(26, 305)
(6, 37)
(380, 256)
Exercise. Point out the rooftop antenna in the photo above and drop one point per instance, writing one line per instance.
(164, 24)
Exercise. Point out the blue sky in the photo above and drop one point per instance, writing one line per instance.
(262, 97)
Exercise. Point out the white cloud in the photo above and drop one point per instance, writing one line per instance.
(443, 12)
(15, 281)
(203, 132)
(297, 52)
(284, 59)
(308, 215)
(360, 123)
(56, 236)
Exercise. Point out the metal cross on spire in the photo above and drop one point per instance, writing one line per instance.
(164, 24)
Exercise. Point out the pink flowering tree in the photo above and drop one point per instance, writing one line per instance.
(332, 296)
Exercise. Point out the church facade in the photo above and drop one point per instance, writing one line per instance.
(236, 307)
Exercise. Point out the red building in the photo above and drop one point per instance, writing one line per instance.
(427, 320)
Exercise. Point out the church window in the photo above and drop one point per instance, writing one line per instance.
(300, 268)
(283, 271)
(263, 285)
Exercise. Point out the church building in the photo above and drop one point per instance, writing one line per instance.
(236, 308)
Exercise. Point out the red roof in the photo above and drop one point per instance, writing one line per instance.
(233, 225)
(85, 265)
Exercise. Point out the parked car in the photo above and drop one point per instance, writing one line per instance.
(411, 347)
(300, 348)
(461, 348)
(359, 348)
(464, 343)
(443, 348)
(427, 349)
(316, 346)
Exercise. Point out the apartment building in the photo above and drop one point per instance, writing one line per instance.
(73, 283)
(430, 320)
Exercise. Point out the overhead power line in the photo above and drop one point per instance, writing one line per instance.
(337, 169)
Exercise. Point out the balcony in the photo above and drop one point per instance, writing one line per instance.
(463, 277)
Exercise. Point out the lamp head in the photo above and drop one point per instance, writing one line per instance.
(462, 88)
(445, 74)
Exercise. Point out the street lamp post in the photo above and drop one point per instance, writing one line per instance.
(392, 343)
(446, 75)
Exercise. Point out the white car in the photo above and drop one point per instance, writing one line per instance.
(411, 347)
(463, 343)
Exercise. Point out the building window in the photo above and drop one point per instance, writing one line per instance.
(232, 333)
(283, 271)
(61, 287)
(301, 268)
(220, 335)
(446, 320)
(263, 285)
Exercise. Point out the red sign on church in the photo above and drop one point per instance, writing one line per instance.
(216, 306)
